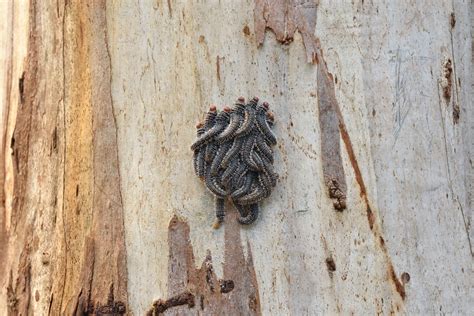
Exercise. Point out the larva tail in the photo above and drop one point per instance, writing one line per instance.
(251, 216)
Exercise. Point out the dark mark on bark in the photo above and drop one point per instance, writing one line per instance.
(336, 193)
(160, 306)
(21, 87)
(170, 9)
(218, 67)
(398, 285)
(226, 285)
(370, 217)
(246, 30)
(447, 79)
(382, 241)
(456, 113)
(330, 264)
(405, 277)
(452, 19)
(54, 138)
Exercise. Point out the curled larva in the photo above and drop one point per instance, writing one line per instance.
(245, 188)
(213, 185)
(255, 196)
(248, 214)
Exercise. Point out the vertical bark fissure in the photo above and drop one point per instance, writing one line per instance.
(65, 241)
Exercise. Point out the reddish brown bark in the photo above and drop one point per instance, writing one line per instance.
(199, 291)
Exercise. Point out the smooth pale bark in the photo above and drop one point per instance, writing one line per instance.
(101, 209)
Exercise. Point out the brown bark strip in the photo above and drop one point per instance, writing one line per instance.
(199, 291)
(284, 18)
(92, 182)
(333, 169)
(89, 274)
(19, 292)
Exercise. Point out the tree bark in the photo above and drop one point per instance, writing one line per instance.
(101, 213)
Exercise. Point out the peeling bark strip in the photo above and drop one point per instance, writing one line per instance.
(199, 291)
(333, 169)
(92, 179)
(19, 292)
(284, 18)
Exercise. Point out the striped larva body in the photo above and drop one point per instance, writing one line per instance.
(262, 124)
(233, 151)
(236, 119)
(217, 161)
(247, 150)
(198, 155)
(248, 123)
(230, 172)
(220, 211)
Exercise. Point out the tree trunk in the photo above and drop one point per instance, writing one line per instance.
(101, 212)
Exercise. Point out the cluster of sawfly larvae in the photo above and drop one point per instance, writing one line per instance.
(233, 155)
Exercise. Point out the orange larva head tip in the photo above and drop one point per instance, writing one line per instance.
(271, 116)
(212, 108)
(199, 125)
(226, 109)
(266, 105)
(241, 99)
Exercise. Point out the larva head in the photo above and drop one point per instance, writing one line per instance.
(199, 125)
(255, 99)
(227, 109)
(241, 100)
(212, 108)
(271, 116)
(266, 105)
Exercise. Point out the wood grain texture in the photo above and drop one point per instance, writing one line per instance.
(98, 106)
(66, 208)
